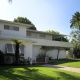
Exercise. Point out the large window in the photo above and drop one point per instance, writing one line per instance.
(10, 48)
(11, 28)
(42, 36)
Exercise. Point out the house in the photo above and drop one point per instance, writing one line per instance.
(32, 41)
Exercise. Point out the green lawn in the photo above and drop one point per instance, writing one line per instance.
(36, 73)
(70, 63)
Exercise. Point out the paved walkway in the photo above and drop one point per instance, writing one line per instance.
(64, 68)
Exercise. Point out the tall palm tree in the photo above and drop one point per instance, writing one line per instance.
(75, 21)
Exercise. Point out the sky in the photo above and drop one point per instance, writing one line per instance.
(44, 14)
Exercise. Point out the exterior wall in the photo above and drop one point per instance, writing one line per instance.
(2, 44)
(62, 54)
(35, 51)
(37, 36)
(44, 42)
(21, 32)
(27, 48)
(53, 53)
(49, 37)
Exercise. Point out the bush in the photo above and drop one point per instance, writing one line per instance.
(1, 57)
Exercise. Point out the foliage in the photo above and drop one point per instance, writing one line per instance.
(75, 21)
(25, 21)
(1, 57)
(75, 34)
(17, 45)
(52, 31)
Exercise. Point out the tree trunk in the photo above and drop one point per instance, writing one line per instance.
(79, 33)
(58, 55)
(17, 53)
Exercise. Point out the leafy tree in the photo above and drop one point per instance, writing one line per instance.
(25, 21)
(52, 31)
(17, 45)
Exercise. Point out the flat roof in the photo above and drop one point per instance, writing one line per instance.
(16, 23)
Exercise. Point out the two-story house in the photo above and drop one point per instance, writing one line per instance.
(32, 41)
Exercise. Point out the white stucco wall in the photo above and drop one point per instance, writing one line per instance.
(45, 42)
(3, 43)
(62, 54)
(35, 51)
(21, 32)
(53, 53)
(27, 47)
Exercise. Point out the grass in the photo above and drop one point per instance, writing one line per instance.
(36, 73)
(70, 63)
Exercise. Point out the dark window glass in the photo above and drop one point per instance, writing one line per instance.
(16, 28)
(11, 28)
(6, 27)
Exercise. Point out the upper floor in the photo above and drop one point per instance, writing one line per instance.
(13, 29)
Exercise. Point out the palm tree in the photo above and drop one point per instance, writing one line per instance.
(17, 45)
(75, 21)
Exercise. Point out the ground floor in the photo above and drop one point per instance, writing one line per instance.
(29, 50)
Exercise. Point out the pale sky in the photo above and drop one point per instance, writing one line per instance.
(44, 14)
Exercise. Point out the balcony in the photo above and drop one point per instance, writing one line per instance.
(52, 43)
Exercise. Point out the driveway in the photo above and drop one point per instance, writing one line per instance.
(63, 68)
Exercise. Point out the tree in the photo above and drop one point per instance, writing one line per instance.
(25, 21)
(52, 31)
(57, 34)
(75, 21)
(75, 34)
(17, 45)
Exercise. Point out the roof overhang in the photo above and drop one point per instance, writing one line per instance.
(16, 23)
(42, 32)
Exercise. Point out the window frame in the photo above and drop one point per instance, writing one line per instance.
(14, 28)
(7, 50)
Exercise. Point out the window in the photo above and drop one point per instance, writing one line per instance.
(11, 28)
(42, 36)
(9, 48)
(22, 49)
(6, 27)
(16, 28)
(29, 34)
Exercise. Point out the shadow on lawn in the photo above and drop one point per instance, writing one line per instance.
(56, 62)
(10, 73)
(67, 76)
